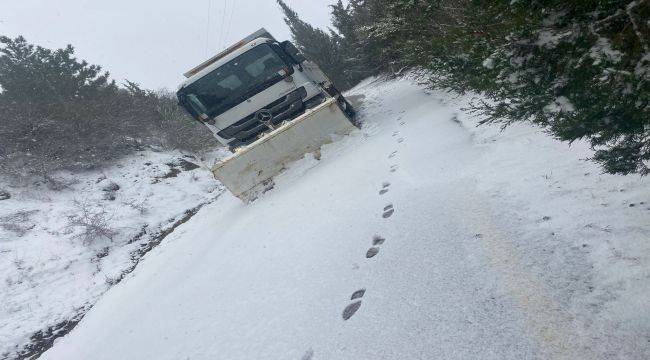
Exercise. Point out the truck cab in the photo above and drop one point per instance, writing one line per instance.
(252, 87)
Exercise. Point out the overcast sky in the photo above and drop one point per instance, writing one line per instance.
(151, 42)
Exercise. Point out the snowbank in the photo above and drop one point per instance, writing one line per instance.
(60, 250)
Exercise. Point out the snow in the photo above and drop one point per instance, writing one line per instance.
(560, 104)
(642, 68)
(551, 39)
(488, 63)
(50, 275)
(602, 50)
(498, 245)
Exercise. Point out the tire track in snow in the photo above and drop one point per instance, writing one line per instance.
(549, 325)
(548, 322)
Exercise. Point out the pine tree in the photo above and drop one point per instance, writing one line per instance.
(579, 68)
(40, 78)
(317, 46)
(59, 112)
(354, 62)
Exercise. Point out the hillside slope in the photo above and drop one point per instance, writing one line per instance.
(455, 243)
(62, 247)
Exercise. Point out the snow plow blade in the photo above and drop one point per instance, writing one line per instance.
(250, 170)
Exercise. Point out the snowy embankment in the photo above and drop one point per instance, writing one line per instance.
(62, 248)
(417, 237)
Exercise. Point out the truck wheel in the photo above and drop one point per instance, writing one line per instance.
(349, 111)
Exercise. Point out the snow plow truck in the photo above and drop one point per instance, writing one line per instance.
(268, 104)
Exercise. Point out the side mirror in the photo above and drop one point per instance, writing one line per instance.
(293, 52)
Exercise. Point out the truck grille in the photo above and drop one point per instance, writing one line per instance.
(248, 129)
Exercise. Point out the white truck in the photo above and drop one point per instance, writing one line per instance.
(266, 103)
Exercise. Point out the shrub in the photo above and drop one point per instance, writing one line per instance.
(62, 113)
(91, 222)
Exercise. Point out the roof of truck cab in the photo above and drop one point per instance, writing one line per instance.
(224, 60)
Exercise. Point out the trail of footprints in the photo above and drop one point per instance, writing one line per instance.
(356, 296)
(401, 123)
(377, 240)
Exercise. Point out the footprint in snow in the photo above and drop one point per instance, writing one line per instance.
(392, 155)
(358, 294)
(353, 307)
(402, 123)
(374, 250)
(395, 133)
(393, 168)
(400, 140)
(384, 188)
(388, 211)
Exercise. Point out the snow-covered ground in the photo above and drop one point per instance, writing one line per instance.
(55, 267)
(418, 237)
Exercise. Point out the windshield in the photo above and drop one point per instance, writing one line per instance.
(231, 83)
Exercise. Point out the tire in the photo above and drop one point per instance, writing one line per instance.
(348, 110)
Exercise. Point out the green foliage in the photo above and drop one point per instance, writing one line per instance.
(62, 113)
(317, 46)
(579, 68)
(29, 72)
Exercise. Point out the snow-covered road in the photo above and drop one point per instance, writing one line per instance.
(457, 272)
